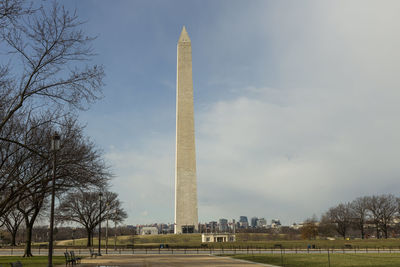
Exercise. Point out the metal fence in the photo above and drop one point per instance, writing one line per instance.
(209, 251)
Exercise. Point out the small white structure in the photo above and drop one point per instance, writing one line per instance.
(206, 238)
(149, 231)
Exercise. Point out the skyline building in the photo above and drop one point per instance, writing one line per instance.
(243, 222)
(254, 222)
(223, 225)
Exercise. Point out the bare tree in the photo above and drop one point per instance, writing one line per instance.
(49, 45)
(11, 10)
(30, 208)
(310, 228)
(341, 217)
(359, 211)
(12, 220)
(382, 208)
(84, 208)
(79, 165)
(326, 227)
(45, 73)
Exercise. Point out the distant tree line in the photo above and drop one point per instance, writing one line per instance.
(45, 78)
(61, 232)
(369, 216)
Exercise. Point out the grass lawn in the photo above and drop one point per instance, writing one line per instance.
(191, 240)
(243, 241)
(319, 260)
(37, 261)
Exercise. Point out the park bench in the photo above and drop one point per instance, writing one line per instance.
(68, 259)
(16, 264)
(74, 258)
(92, 253)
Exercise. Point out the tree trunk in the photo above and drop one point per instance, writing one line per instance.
(89, 238)
(385, 231)
(362, 232)
(28, 241)
(13, 238)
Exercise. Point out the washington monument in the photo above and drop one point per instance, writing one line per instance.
(186, 218)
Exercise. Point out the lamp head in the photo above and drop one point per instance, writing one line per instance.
(55, 142)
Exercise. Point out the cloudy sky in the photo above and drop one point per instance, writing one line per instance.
(296, 103)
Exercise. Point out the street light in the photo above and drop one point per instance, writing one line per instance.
(107, 214)
(55, 146)
(99, 252)
(115, 229)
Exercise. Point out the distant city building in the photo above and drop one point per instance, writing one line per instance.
(243, 222)
(149, 230)
(275, 223)
(164, 228)
(223, 225)
(262, 223)
(213, 227)
(232, 226)
(203, 228)
(212, 237)
(296, 226)
(254, 222)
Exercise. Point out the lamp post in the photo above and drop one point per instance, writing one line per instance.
(55, 145)
(107, 214)
(73, 237)
(115, 229)
(99, 252)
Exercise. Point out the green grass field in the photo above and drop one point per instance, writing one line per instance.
(37, 261)
(319, 260)
(243, 241)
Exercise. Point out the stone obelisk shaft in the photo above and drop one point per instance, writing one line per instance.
(186, 217)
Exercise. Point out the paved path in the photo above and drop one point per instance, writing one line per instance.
(166, 260)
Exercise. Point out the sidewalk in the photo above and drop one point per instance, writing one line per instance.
(166, 260)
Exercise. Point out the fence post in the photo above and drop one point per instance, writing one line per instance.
(329, 259)
(281, 257)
